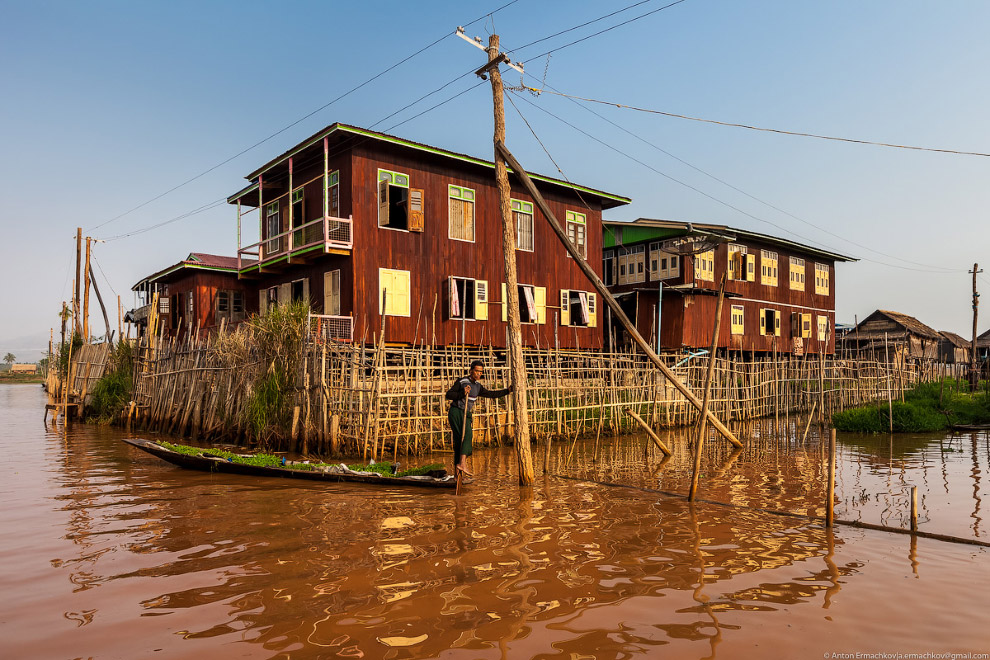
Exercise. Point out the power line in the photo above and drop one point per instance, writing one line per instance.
(743, 192)
(712, 197)
(578, 27)
(206, 207)
(297, 121)
(608, 29)
(759, 128)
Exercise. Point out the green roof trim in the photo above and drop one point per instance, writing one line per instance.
(240, 193)
(419, 147)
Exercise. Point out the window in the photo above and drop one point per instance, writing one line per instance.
(608, 267)
(461, 206)
(632, 267)
(576, 225)
(737, 262)
(467, 299)
(333, 194)
(532, 303)
(299, 290)
(274, 225)
(821, 279)
(393, 290)
(229, 305)
(163, 305)
(298, 214)
(770, 322)
(393, 200)
(578, 308)
(801, 325)
(704, 266)
(768, 268)
(522, 215)
(223, 302)
(237, 302)
(796, 274)
(737, 319)
(822, 328)
(331, 292)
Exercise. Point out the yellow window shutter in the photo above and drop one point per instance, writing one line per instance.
(382, 204)
(417, 221)
(505, 303)
(806, 326)
(592, 310)
(262, 302)
(776, 323)
(763, 322)
(402, 300)
(750, 267)
(540, 296)
(481, 300)
(565, 307)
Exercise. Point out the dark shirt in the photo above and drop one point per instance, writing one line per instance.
(456, 393)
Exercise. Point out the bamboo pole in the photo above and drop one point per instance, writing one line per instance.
(703, 418)
(914, 508)
(652, 435)
(582, 263)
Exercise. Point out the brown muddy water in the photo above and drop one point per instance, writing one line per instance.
(111, 553)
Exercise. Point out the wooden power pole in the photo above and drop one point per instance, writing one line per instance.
(85, 319)
(517, 365)
(974, 374)
(77, 323)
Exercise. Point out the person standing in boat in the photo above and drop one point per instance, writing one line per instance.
(464, 394)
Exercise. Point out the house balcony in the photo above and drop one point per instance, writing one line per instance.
(326, 235)
(326, 327)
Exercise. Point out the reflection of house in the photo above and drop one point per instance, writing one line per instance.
(953, 349)
(358, 223)
(198, 292)
(898, 336)
(780, 295)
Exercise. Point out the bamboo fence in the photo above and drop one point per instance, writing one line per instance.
(379, 401)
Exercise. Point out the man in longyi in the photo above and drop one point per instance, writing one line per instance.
(464, 394)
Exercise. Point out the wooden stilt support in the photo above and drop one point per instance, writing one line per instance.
(653, 436)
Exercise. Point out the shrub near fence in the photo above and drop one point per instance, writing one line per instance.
(379, 401)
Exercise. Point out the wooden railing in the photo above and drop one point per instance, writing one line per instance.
(329, 232)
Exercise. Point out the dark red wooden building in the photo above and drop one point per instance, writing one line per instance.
(780, 295)
(358, 223)
(198, 293)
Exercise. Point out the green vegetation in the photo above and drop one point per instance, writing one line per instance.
(279, 335)
(112, 392)
(926, 408)
(271, 460)
(63, 351)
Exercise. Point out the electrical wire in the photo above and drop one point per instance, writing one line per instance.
(760, 128)
(100, 268)
(743, 192)
(297, 121)
(712, 197)
(197, 211)
(578, 27)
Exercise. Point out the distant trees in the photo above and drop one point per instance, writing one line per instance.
(9, 359)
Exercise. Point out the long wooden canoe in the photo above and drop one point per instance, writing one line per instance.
(217, 464)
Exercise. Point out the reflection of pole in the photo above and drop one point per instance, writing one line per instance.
(703, 419)
(830, 503)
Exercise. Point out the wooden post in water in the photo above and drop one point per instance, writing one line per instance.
(830, 503)
(890, 400)
(703, 419)
(914, 508)
(653, 436)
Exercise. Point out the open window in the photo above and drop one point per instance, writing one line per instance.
(467, 299)
(578, 308)
(801, 325)
(736, 262)
(393, 200)
(299, 290)
(608, 267)
(461, 215)
(532, 303)
(770, 322)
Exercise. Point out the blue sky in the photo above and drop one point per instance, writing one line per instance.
(107, 105)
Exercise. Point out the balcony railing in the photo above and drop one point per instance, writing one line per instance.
(326, 234)
(324, 327)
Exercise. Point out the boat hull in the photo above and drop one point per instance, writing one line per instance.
(208, 464)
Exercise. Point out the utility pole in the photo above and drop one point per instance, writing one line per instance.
(76, 323)
(86, 274)
(974, 374)
(517, 365)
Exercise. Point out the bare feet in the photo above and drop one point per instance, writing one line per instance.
(465, 470)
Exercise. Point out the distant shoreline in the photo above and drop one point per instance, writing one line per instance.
(19, 379)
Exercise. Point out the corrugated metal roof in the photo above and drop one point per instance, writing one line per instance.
(195, 260)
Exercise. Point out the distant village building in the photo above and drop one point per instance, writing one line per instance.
(983, 346)
(361, 224)
(953, 349)
(196, 293)
(24, 368)
(895, 337)
(780, 295)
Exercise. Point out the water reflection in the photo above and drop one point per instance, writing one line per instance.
(116, 554)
